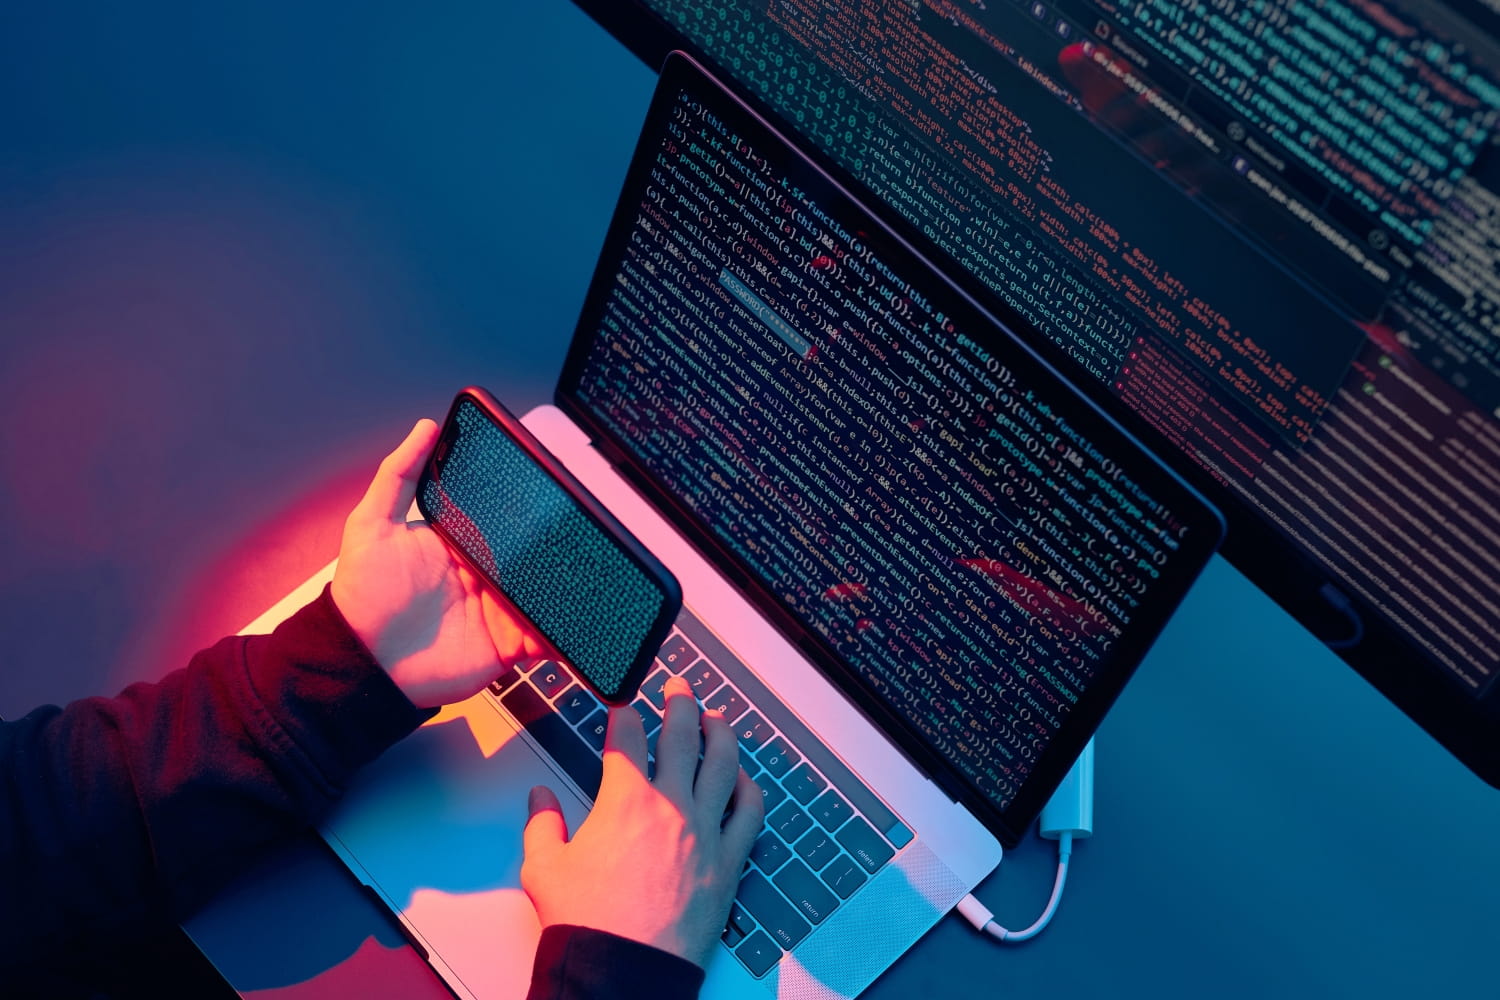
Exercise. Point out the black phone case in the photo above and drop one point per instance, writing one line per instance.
(584, 503)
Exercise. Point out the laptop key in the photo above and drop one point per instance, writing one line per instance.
(728, 702)
(676, 653)
(731, 936)
(772, 794)
(807, 894)
(804, 784)
(526, 704)
(740, 920)
(789, 821)
(740, 924)
(843, 876)
(651, 689)
(752, 730)
(550, 678)
(771, 910)
(778, 757)
(898, 834)
(817, 848)
(830, 809)
(703, 679)
(556, 737)
(867, 847)
(505, 681)
(770, 853)
(650, 717)
(758, 953)
(576, 704)
(594, 729)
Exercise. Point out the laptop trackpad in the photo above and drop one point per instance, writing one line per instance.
(435, 827)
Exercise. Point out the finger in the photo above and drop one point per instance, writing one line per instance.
(505, 633)
(395, 484)
(746, 818)
(546, 829)
(721, 765)
(677, 747)
(624, 746)
(532, 644)
(516, 639)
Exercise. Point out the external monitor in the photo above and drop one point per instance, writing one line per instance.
(1265, 236)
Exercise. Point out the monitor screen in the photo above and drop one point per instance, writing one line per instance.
(1262, 235)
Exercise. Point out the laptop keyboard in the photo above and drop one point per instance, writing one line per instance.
(826, 833)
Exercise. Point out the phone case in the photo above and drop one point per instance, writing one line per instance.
(521, 521)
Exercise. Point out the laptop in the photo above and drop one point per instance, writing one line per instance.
(917, 566)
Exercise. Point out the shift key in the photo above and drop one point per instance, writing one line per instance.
(771, 909)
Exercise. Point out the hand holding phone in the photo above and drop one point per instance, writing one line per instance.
(524, 524)
(440, 635)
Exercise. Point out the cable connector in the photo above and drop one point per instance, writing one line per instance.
(982, 919)
(1071, 808)
(1068, 814)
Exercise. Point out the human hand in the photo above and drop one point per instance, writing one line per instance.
(440, 632)
(656, 861)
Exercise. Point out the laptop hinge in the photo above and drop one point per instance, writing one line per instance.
(946, 783)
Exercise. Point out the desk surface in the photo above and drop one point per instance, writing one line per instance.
(245, 249)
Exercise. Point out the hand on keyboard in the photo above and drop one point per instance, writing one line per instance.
(657, 860)
(439, 632)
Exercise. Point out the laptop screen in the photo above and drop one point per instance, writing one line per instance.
(970, 548)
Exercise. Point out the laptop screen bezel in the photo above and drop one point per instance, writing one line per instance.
(1205, 525)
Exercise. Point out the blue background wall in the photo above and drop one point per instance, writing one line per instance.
(241, 250)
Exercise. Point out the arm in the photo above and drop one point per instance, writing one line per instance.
(116, 813)
(134, 809)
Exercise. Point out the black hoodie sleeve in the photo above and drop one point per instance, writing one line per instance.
(579, 963)
(126, 811)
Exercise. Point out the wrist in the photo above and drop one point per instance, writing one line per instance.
(317, 679)
(362, 627)
(349, 610)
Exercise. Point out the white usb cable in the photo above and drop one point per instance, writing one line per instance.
(1069, 814)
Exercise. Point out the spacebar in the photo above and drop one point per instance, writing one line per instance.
(556, 737)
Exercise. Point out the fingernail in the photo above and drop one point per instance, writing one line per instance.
(676, 685)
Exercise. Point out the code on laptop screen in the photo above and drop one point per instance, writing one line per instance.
(921, 501)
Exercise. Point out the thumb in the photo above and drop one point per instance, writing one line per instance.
(546, 828)
(395, 484)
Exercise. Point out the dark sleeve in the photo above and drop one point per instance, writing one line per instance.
(116, 812)
(579, 963)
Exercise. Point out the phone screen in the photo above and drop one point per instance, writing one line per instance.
(589, 587)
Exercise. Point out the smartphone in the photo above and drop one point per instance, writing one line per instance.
(552, 551)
